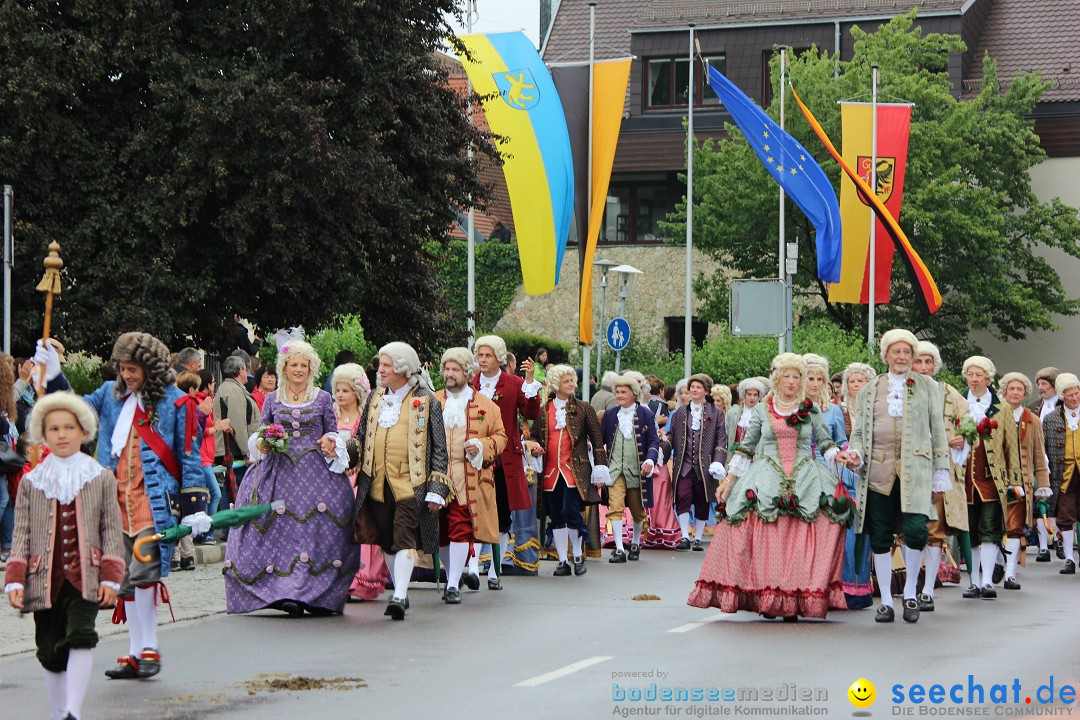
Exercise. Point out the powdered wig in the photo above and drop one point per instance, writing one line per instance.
(723, 392)
(148, 352)
(463, 357)
(1049, 374)
(289, 351)
(820, 365)
(353, 375)
(679, 387)
(627, 380)
(983, 363)
(643, 384)
(765, 383)
(856, 368)
(928, 348)
(497, 345)
(555, 374)
(1064, 381)
(1015, 377)
(705, 381)
(789, 361)
(405, 361)
(61, 401)
(608, 378)
(751, 384)
(897, 335)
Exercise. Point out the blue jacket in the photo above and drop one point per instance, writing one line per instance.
(648, 441)
(169, 499)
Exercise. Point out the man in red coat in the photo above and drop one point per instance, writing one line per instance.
(513, 395)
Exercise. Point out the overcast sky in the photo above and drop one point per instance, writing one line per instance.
(505, 16)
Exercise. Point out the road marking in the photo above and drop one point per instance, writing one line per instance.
(698, 623)
(563, 671)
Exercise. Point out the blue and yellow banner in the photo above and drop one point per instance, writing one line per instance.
(523, 107)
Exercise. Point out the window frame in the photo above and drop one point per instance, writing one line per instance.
(699, 82)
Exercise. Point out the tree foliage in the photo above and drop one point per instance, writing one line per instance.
(498, 275)
(968, 207)
(287, 161)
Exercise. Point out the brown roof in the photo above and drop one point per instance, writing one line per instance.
(1024, 36)
(677, 13)
(568, 39)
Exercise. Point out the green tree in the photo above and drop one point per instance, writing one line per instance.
(287, 161)
(968, 210)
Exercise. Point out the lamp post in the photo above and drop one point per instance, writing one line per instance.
(605, 266)
(625, 272)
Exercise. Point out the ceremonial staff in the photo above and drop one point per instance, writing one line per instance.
(50, 285)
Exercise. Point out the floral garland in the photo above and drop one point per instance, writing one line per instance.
(802, 415)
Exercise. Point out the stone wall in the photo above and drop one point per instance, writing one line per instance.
(656, 295)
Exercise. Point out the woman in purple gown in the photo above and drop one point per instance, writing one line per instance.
(300, 557)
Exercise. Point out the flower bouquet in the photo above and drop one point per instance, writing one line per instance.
(275, 437)
(966, 428)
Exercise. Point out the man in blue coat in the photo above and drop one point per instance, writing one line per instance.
(150, 439)
(633, 445)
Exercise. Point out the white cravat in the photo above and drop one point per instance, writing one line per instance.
(1048, 407)
(390, 409)
(897, 388)
(560, 413)
(61, 478)
(454, 408)
(122, 429)
(487, 384)
(1072, 418)
(695, 416)
(744, 417)
(626, 421)
(978, 407)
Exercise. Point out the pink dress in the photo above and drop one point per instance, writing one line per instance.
(661, 527)
(370, 580)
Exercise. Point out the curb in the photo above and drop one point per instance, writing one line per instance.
(210, 554)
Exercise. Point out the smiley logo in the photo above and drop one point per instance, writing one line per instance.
(862, 693)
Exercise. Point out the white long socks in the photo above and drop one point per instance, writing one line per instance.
(933, 562)
(56, 688)
(575, 540)
(1012, 546)
(146, 614)
(474, 559)
(699, 529)
(975, 570)
(616, 530)
(403, 567)
(1043, 537)
(560, 535)
(637, 534)
(988, 550)
(684, 525)
(456, 564)
(1067, 540)
(912, 562)
(883, 571)
(79, 666)
(135, 634)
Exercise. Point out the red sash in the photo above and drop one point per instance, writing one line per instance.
(156, 443)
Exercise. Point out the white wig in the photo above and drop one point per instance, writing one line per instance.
(643, 384)
(1065, 381)
(856, 368)
(293, 349)
(63, 400)
(608, 378)
(497, 345)
(354, 376)
(627, 380)
(983, 363)
(898, 335)
(817, 363)
(555, 374)
(789, 361)
(928, 348)
(752, 384)
(404, 359)
(765, 382)
(679, 386)
(1015, 377)
(463, 357)
(723, 392)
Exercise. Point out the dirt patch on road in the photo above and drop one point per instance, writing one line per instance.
(299, 683)
(645, 596)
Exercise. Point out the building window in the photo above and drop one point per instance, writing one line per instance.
(668, 86)
(636, 205)
(676, 327)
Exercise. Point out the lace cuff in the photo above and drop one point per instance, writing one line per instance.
(254, 453)
(110, 585)
(716, 469)
(941, 482)
(960, 457)
(531, 390)
(340, 462)
(1044, 492)
(198, 522)
(738, 465)
(435, 498)
(652, 468)
(601, 476)
(830, 454)
(10, 587)
(477, 460)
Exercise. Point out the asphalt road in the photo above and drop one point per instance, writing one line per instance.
(549, 647)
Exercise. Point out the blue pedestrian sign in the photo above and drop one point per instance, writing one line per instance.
(618, 334)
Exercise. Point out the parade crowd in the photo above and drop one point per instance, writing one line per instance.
(816, 488)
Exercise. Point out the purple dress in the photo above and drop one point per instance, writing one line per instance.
(304, 551)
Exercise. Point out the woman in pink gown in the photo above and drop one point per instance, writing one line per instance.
(351, 387)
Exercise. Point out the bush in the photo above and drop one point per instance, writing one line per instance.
(346, 333)
(498, 275)
(524, 345)
(83, 372)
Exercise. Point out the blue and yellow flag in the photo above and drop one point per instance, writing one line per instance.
(524, 108)
(791, 165)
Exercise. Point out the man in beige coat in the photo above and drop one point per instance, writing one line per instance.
(898, 440)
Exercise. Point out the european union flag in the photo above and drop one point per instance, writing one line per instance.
(793, 167)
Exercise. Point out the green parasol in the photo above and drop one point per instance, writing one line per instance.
(234, 517)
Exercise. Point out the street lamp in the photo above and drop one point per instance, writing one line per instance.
(605, 266)
(625, 273)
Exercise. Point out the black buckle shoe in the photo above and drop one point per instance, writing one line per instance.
(579, 566)
(149, 663)
(699, 546)
(617, 556)
(452, 597)
(187, 563)
(911, 610)
(683, 544)
(999, 573)
(494, 583)
(471, 581)
(1068, 569)
(885, 614)
(563, 570)
(293, 608)
(1059, 550)
(926, 603)
(395, 609)
(988, 592)
(1043, 556)
(1012, 584)
(126, 668)
(634, 554)
(973, 591)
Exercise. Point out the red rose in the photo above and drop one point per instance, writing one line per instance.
(751, 495)
(956, 421)
(910, 381)
(808, 404)
(803, 414)
(792, 420)
(417, 402)
(993, 424)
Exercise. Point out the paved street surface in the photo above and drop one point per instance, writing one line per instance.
(555, 647)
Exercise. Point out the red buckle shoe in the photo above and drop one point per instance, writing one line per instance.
(126, 668)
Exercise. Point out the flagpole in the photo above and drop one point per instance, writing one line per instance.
(784, 342)
(470, 226)
(873, 217)
(586, 358)
(688, 309)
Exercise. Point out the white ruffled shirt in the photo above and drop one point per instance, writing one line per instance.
(122, 429)
(744, 417)
(978, 406)
(1048, 406)
(61, 478)
(390, 408)
(487, 384)
(454, 408)
(560, 413)
(895, 398)
(1072, 418)
(695, 416)
(626, 421)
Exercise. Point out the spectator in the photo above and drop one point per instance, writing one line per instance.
(343, 356)
(655, 400)
(184, 559)
(248, 381)
(208, 451)
(837, 382)
(604, 398)
(189, 359)
(541, 365)
(499, 233)
(511, 363)
(9, 435)
(265, 383)
(234, 407)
